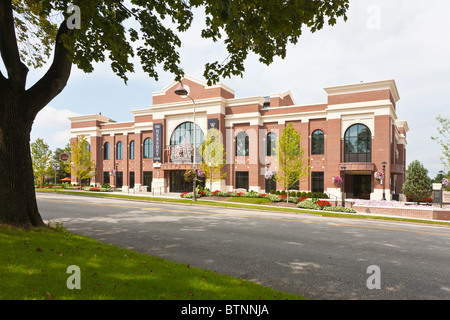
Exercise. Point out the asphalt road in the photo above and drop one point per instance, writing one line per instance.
(314, 256)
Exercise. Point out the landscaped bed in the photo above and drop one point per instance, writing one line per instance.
(302, 200)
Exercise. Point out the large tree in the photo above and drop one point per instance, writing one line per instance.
(32, 30)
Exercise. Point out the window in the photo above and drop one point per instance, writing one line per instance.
(184, 135)
(182, 142)
(242, 144)
(148, 177)
(106, 177)
(271, 143)
(242, 180)
(131, 179)
(119, 150)
(148, 148)
(119, 179)
(317, 142)
(271, 184)
(357, 144)
(132, 149)
(317, 182)
(106, 151)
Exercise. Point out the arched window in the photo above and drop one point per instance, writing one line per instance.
(148, 148)
(182, 141)
(184, 135)
(132, 149)
(270, 143)
(106, 151)
(317, 142)
(119, 150)
(358, 144)
(242, 144)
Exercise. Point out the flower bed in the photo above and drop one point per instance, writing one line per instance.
(275, 199)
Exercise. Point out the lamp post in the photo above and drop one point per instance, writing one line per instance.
(343, 185)
(384, 163)
(117, 165)
(441, 174)
(181, 91)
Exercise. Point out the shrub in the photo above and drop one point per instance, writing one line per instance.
(309, 204)
(340, 209)
(274, 198)
(272, 191)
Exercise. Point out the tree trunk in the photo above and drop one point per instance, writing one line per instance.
(17, 196)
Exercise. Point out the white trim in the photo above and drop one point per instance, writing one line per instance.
(365, 87)
(281, 95)
(198, 81)
(90, 117)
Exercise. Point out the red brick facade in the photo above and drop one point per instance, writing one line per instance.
(367, 106)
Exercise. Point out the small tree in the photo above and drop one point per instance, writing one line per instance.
(417, 184)
(41, 156)
(82, 166)
(213, 155)
(444, 140)
(292, 162)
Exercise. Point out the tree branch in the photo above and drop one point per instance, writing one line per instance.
(55, 79)
(17, 70)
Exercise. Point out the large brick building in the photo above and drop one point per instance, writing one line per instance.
(356, 128)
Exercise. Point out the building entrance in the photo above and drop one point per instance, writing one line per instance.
(178, 184)
(362, 186)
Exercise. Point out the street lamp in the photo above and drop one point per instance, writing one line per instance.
(181, 91)
(384, 163)
(343, 185)
(441, 174)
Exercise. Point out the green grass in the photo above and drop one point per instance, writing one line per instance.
(248, 206)
(249, 200)
(33, 265)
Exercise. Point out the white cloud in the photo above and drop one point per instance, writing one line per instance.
(53, 126)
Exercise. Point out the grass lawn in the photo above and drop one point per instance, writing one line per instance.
(249, 200)
(33, 265)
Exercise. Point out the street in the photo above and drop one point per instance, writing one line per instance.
(314, 256)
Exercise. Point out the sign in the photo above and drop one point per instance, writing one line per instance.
(55, 166)
(213, 123)
(437, 186)
(157, 145)
(64, 157)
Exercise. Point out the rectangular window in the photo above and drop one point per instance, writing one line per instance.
(106, 177)
(242, 180)
(295, 186)
(317, 181)
(271, 184)
(132, 179)
(119, 179)
(148, 177)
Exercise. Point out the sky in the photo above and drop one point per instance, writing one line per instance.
(404, 40)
